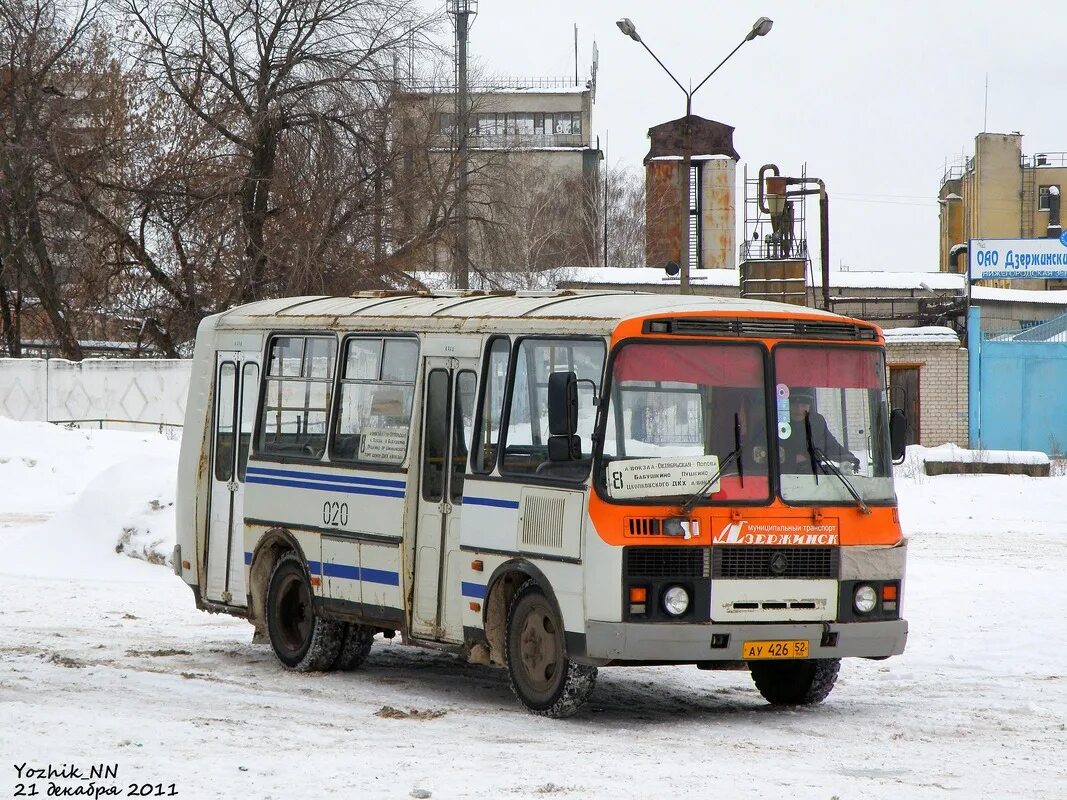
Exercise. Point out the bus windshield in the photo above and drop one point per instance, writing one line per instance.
(832, 424)
(678, 414)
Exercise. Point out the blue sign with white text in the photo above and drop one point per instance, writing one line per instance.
(1018, 258)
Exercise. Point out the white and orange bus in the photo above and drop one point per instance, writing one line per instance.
(551, 482)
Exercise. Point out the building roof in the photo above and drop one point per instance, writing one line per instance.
(622, 276)
(706, 136)
(930, 334)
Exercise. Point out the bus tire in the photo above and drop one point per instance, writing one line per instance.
(795, 683)
(302, 640)
(543, 678)
(355, 647)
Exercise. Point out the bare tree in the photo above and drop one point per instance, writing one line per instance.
(48, 92)
(625, 228)
(533, 217)
(299, 79)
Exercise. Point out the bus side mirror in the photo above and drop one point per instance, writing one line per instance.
(563, 445)
(562, 404)
(898, 433)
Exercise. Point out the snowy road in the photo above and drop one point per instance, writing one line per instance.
(123, 670)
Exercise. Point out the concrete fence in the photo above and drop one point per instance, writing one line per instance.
(107, 393)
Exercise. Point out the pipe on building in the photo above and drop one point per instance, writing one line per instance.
(759, 186)
(954, 253)
(824, 217)
(824, 241)
(1054, 228)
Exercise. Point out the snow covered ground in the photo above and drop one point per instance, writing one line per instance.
(104, 660)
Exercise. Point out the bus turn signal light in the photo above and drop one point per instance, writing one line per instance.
(889, 592)
(638, 594)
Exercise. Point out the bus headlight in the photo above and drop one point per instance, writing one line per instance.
(865, 598)
(675, 601)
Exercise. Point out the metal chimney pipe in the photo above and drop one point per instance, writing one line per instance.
(1054, 228)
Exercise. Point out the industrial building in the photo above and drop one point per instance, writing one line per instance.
(533, 166)
(1000, 193)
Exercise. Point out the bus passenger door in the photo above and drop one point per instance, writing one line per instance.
(236, 394)
(447, 424)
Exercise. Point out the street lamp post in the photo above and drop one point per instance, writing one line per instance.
(761, 27)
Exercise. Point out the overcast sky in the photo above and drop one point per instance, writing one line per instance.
(874, 96)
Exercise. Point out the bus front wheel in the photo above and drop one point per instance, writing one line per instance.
(795, 683)
(302, 640)
(543, 678)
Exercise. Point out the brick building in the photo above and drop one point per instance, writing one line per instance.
(928, 374)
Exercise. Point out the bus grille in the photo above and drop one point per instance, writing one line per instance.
(775, 562)
(668, 562)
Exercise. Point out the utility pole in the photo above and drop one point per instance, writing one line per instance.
(464, 12)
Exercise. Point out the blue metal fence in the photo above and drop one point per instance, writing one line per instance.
(1018, 387)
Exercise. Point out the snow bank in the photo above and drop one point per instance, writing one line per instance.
(951, 453)
(103, 493)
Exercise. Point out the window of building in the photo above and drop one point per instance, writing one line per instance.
(1042, 197)
(490, 124)
(517, 123)
(568, 122)
(374, 405)
(296, 397)
(523, 123)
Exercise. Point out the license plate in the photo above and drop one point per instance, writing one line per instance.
(780, 648)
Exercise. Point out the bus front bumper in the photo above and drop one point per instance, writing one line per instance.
(680, 643)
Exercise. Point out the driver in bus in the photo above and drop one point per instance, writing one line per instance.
(794, 451)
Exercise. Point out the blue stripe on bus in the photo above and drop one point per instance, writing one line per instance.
(329, 569)
(340, 571)
(324, 487)
(318, 476)
(476, 590)
(389, 578)
(248, 559)
(491, 502)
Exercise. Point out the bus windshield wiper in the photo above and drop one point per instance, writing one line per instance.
(819, 460)
(735, 455)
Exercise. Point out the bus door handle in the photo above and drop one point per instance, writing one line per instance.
(445, 508)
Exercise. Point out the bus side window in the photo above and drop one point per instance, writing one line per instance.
(224, 432)
(249, 397)
(526, 449)
(494, 383)
(296, 398)
(374, 405)
(462, 427)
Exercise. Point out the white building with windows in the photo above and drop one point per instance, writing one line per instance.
(533, 167)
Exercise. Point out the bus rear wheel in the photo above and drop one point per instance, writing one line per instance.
(302, 640)
(544, 679)
(358, 640)
(795, 683)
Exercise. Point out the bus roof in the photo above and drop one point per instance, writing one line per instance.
(570, 311)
